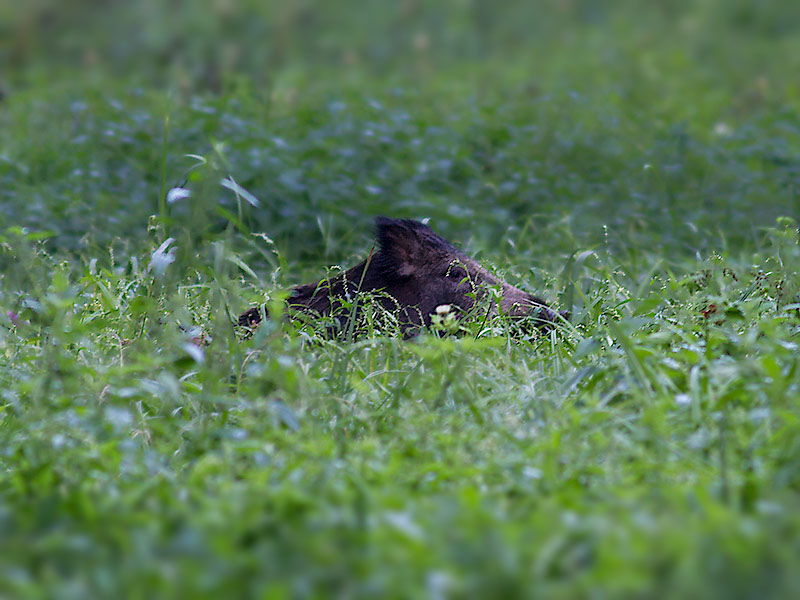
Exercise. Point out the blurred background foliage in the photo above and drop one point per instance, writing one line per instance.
(646, 118)
(205, 44)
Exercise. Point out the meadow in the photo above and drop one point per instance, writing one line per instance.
(164, 166)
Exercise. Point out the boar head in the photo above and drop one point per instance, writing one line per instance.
(416, 271)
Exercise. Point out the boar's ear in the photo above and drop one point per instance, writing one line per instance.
(401, 245)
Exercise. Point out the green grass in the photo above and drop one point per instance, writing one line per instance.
(636, 165)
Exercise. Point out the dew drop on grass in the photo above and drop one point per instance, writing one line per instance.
(176, 194)
(162, 257)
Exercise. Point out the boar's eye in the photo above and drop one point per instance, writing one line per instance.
(456, 273)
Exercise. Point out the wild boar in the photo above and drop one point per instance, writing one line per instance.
(415, 271)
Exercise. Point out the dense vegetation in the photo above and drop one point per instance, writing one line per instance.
(635, 163)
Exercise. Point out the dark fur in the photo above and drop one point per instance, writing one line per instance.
(416, 270)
